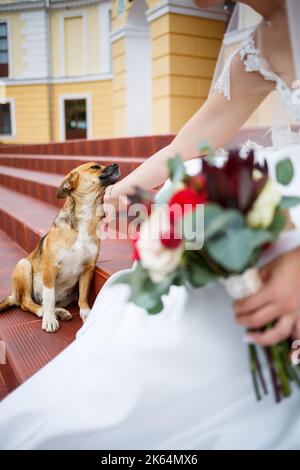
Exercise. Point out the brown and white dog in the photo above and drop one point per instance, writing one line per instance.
(61, 267)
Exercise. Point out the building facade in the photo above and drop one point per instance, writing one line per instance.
(99, 68)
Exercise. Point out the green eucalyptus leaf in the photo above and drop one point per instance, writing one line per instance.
(234, 249)
(206, 149)
(164, 195)
(277, 225)
(218, 220)
(179, 278)
(260, 238)
(288, 202)
(143, 292)
(231, 251)
(199, 274)
(156, 309)
(285, 171)
(212, 211)
(176, 169)
(193, 226)
(124, 278)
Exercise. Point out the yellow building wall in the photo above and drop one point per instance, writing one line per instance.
(93, 39)
(31, 111)
(16, 38)
(184, 55)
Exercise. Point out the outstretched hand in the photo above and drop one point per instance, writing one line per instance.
(112, 204)
(278, 301)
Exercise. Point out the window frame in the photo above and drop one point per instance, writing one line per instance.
(75, 96)
(6, 21)
(11, 102)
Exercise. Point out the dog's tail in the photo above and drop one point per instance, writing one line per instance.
(8, 302)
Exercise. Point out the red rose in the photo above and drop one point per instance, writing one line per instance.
(187, 199)
(171, 238)
(197, 182)
(136, 254)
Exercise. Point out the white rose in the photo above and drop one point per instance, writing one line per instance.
(263, 210)
(155, 257)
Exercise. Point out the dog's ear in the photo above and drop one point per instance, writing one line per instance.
(68, 184)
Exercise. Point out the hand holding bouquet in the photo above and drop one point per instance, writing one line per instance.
(215, 226)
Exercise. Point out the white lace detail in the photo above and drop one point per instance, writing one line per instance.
(223, 82)
(254, 62)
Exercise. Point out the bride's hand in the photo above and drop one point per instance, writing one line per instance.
(113, 203)
(278, 301)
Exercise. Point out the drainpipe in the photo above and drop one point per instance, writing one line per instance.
(49, 72)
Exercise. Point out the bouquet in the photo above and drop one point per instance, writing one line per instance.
(215, 226)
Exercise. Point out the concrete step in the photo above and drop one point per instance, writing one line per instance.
(60, 164)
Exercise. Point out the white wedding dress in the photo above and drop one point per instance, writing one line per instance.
(177, 380)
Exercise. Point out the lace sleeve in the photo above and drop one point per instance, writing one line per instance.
(252, 61)
(250, 57)
(223, 82)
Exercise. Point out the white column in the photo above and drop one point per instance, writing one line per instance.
(138, 81)
(104, 36)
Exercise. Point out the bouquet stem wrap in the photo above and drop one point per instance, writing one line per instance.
(243, 285)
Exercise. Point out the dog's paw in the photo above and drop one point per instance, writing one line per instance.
(40, 313)
(63, 314)
(84, 313)
(50, 324)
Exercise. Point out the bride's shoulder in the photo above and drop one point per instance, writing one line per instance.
(245, 79)
(242, 75)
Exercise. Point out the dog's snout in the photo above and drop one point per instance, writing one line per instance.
(110, 174)
(111, 168)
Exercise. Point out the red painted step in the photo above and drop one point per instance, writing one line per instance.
(28, 347)
(39, 185)
(26, 219)
(60, 164)
(140, 146)
(3, 388)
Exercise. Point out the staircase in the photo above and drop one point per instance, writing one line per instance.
(29, 177)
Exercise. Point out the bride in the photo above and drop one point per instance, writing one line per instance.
(180, 380)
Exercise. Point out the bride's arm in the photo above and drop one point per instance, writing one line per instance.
(216, 121)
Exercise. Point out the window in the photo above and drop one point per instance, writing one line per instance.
(3, 50)
(5, 119)
(74, 49)
(75, 119)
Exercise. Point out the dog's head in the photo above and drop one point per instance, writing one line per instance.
(87, 179)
